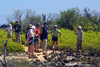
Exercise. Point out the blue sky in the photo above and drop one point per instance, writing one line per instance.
(7, 7)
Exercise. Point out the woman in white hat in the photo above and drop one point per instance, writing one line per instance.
(9, 35)
(30, 41)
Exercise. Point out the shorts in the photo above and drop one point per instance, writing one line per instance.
(36, 39)
(54, 38)
(32, 42)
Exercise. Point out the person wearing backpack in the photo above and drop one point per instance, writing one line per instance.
(30, 41)
(41, 33)
(45, 38)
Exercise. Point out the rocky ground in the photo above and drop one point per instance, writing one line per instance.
(54, 59)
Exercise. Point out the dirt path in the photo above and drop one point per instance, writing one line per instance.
(39, 55)
(54, 59)
(24, 56)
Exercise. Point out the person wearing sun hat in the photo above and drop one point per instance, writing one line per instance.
(30, 41)
(55, 34)
(9, 35)
(79, 34)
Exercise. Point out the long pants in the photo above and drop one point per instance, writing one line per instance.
(79, 44)
(44, 44)
(18, 37)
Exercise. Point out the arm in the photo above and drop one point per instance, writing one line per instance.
(75, 32)
(81, 36)
(60, 34)
(36, 32)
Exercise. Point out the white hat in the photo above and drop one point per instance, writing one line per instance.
(33, 27)
(30, 25)
(79, 27)
(55, 25)
(10, 25)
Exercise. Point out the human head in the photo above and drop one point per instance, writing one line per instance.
(33, 27)
(30, 25)
(38, 24)
(79, 27)
(45, 24)
(9, 25)
(17, 22)
(55, 26)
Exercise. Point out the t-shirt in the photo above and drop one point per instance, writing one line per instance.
(37, 32)
(9, 30)
(79, 35)
(17, 28)
(45, 33)
(55, 32)
(30, 34)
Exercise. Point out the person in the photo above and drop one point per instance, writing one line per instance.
(79, 34)
(9, 35)
(41, 36)
(41, 33)
(17, 28)
(30, 41)
(37, 37)
(55, 32)
(45, 37)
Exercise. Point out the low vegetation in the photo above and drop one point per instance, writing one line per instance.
(11, 45)
(67, 41)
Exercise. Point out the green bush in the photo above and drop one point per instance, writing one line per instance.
(11, 45)
(91, 41)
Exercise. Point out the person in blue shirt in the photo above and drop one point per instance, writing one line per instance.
(17, 28)
(45, 38)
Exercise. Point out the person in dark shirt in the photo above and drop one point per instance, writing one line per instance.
(17, 28)
(45, 38)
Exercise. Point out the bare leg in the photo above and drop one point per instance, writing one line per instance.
(38, 45)
(35, 46)
(53, 46)
(32, 50)
(57, 45)
(29, 50)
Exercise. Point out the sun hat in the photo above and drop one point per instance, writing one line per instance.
(30, 25)
(79, 27)
(55, 25)
(33, 27)
(9, 25)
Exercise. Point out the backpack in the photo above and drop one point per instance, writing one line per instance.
(27, 29)
(26, 34)
(41, 31)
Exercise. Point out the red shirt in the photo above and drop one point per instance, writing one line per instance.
(37, 32)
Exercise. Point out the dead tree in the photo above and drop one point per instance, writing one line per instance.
(4, 54)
